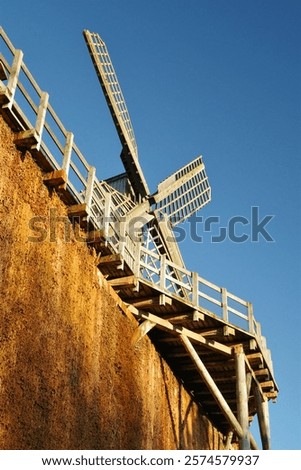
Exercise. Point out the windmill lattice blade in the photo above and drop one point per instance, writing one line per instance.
(117, 106)
(184, 192)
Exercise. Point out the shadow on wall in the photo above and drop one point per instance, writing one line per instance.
(189, 426)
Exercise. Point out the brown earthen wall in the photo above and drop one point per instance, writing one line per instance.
(69, 377)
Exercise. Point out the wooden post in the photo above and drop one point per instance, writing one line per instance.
(162, 271)
(89, 187)
(225, 305)
(250, 317)
(67, 152)
(225, 408)
(242, 397)
(263, 418)
(137, 259)
(195, 289)
(13, 78)
(41, 116)
(41, 112)
(106, 216)
(122, 241)
(228, 444)
(32, 138)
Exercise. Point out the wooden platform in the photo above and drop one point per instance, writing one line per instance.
(167, 318)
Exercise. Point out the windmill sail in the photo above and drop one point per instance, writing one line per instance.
(184, 192)
(116, 102)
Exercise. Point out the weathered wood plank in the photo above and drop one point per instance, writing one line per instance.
(109, 259)
(141, 331)
(262, 373)
(126, 281)
(255, 359)
(26, 139)
(78, 210)
(147, 302)
(56, 178)
(269, 384)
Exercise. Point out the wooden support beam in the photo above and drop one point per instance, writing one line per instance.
(228, 330)
(198, 316)
(228, 443)
(179, 330)
(242, 397)
(269, 384)
(263, 419)
(271, 395)
(164, 300)
(126, 281)
(174, 319)
(26, 139)
(56, 178)
(147, 302)
(78, 210)
(220, 400)
(109, 259)
(194, 316)
(141, 331)
(255, 359)
(262, 373)
(252, 373)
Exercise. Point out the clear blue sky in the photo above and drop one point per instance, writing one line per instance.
(219, 78)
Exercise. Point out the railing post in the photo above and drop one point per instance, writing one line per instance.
(32, 138)
(41, 116)
(106, 215)
(163, 272)
(122, 239)
(137, 254)
(250, 318)
(67, 152)
(195, 289)
(13, 79)
(225, 304)
(89, 188)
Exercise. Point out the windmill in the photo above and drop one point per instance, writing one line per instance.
(178, 196)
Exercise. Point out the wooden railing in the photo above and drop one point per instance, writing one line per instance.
(196, 290)
(37, 124)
